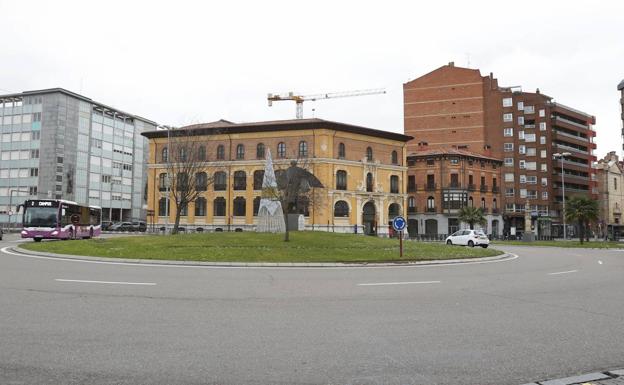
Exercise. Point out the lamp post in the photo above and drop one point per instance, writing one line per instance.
(167, 206)
(561, 156)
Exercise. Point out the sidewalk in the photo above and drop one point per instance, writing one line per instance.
(611, 377)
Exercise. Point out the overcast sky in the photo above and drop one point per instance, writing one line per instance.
(179, 62)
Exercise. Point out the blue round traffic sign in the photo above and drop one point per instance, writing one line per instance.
(399, 223)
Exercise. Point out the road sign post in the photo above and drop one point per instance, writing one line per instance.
(398, 224)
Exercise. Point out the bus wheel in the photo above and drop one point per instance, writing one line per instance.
(91, 233)
(37, 239)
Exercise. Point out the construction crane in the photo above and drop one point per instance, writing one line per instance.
(299, 99)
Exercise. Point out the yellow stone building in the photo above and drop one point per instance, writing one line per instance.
(363, 172)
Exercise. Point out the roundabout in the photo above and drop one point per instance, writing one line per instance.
(547, 313)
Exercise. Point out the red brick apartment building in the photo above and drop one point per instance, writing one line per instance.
(457, 108)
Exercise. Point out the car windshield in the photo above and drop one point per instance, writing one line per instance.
(40, 217)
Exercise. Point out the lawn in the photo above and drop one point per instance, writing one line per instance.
(306, 246)
(586, 245)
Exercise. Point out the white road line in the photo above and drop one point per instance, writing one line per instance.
(106, 282)
(563, 272)
(396, 283)
(24, 255)
(600, 262)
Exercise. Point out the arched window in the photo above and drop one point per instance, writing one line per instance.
(303, 149)
(470, 202)
(162, 181)
(201, 153)
(431, 204)
(240, 206)
(256, 206)
(341, 209)
(200, 207)
(219, 207)
(395, 157)
(220, 181)
(341, 151)
(483, 203)
(240, 180)
(163, 208)
(394, 210)
(258, 177)
(201, 181)
(281, 150)
(240, 152)
(394, 184)
(369, 154)
(411, 205)
(182, 154)
(182, 182)
(341, 180)
(220, 152)
(165, 154)
(184, 209)
(369, 182)
(260, 151)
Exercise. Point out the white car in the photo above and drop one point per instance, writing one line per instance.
(470, 238)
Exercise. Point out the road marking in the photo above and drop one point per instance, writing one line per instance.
(106, 282)
(563, 272)
(398, 266)
(600, 262)
(396, 283)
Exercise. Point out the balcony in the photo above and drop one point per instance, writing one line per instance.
(411, 210)
(483, 188)
(454, 185)
(529, 126)
(564, 134)
(575, 124)
(430, 210)
(563, 146)
(472, 187)
(430, 186)
(495, 210)
(495, 189)
(411, 188)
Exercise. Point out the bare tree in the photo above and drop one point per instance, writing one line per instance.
(187, 170)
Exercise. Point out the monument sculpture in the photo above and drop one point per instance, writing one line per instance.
(270, 214)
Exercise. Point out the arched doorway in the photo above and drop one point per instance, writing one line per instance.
(368, 218)
(431, 227)
(412, 227)
(495, 228)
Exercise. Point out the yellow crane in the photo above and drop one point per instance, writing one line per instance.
(299, 99)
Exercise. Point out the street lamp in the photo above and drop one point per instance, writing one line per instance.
(167, 203)
(561, 156)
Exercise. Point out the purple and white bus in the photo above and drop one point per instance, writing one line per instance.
(60, 219)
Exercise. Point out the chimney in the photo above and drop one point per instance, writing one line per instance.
(537, 91)
(491, 75)
(451, 64)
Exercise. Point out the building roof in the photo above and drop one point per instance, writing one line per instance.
(227, 127)
(621, 85)
(450, 151)
(75, 95)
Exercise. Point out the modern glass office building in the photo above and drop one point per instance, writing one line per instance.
(61, 145)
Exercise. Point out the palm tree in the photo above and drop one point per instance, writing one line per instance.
(472, 216)
(581, 210)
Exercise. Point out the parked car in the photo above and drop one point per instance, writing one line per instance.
(470, 238)
(122, 226)
(106, 225)
(1, 233)
(139, 226)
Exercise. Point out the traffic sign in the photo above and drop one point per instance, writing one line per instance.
(399, 223)
(10, 212)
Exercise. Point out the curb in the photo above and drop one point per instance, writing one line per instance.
(583, 378)
(159, 262)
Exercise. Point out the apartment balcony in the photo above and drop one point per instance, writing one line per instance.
(412, 188)
(411, 210)
(570, 122)
(483, 188)
(565, 135)
(568, 148)
(431, 186)
(529, 126)
(495, 189)
(430, 210)
(495, 210)
(472, 187)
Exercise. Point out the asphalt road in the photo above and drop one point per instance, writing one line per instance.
(549, 313)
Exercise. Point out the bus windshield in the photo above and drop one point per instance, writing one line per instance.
(40, 217)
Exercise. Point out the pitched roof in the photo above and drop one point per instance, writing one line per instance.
(227, 127)
(450, 151)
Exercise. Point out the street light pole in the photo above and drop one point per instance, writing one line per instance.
(561, 156)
